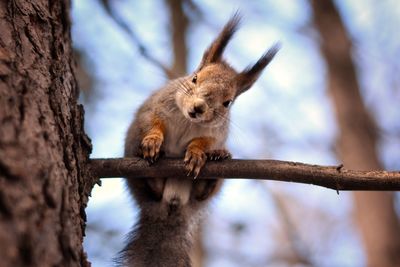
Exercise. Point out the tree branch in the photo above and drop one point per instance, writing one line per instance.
(334, 177)
(135, 38)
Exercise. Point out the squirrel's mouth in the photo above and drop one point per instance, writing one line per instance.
(198, 118)
(203, 121)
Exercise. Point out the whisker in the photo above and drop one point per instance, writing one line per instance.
(227, 118)
(236, 126)
(185, 89)
(179, 85)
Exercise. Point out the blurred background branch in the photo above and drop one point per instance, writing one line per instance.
(169, 72)
(298, 251)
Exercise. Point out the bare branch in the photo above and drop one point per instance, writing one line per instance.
(135, 38)
(334, 177)
(299, 252)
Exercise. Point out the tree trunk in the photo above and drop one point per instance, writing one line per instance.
(357, 142)
(44, 182)
(179, 25)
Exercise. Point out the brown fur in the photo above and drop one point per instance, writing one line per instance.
(189, 118)
(151, 143)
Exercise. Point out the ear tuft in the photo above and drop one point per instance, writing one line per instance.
(248, 76)
(214, 52)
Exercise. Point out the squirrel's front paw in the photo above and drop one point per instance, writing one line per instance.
(219, 154)
(150, 146)
(195, 159)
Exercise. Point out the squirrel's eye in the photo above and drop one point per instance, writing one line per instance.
(227, 103)
(194, 79)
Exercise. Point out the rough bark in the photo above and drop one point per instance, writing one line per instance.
(43, 149)
(357, 142)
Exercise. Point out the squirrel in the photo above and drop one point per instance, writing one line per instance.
(189, 118)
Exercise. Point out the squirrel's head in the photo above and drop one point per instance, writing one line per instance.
(207, 94)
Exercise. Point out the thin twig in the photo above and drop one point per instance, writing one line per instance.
(135, 38)
(325, 176)
(300, 251)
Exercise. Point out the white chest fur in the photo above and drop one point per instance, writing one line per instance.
(178, 136)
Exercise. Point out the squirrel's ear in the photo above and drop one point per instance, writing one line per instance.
(214, 51)
(248, 76)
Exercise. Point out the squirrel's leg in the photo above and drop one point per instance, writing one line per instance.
(204, 189)
(150, 150)
(195, 156)
(152, 140)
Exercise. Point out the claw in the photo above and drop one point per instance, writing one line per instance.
(194, 161)
(151, 148)
(218, 154)
(196, 172)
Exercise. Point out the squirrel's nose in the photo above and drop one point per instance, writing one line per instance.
(192, 114)
(198, 109)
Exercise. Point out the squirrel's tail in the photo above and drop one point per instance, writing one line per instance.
(162, 236)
